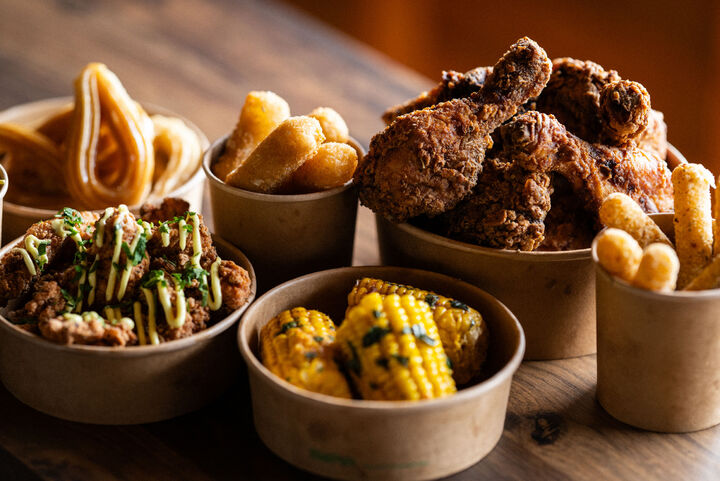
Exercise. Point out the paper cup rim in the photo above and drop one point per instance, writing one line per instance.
(677, 296)
(148, 350)
(4, 186)
(58, 103)
(215, 181)
(504, 373)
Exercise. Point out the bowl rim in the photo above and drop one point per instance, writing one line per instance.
(138, 351)
(4, 186)
(538, 256)
(503, 374)
(209, 156)
(675, 296)
(58, 103)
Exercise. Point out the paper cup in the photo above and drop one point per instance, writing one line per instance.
(124, 385)
(18, 217)
(389, 440)
(658, 353)
(551, 293)
(284, 235)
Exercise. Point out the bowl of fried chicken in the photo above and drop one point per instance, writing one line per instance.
(114, 318)
(496, 176)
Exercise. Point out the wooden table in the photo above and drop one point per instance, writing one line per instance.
(199, 59)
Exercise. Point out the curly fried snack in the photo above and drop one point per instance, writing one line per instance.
(693, 220)
(620, 211)
(333, 125)
(658, 268)
(124, 175)
(177, 154)
(34, 163)
(331, 166)
(619, 253)
(282, 152)
(260, 115)
(56, 128)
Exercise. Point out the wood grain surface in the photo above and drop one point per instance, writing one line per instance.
(200, 59)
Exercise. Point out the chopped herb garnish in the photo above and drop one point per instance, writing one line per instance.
(70, 300)
(188, 228)
(70, 216)
(402, 360)
(310, 355)
(374, 335)
(78, 273)
(449, 362)
(80, 257)
(459, 305)
(420, 333)
(288, 325)
(117, 266)
(382, 362)
(318, 338)
(431, 299)
(164, 229)
(377, 314)
(353, 363)
(405, 330)
(152, 278)
(136, 256)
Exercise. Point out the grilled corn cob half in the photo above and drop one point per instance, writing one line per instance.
(392, 349)
(463, 332)
(297, 345)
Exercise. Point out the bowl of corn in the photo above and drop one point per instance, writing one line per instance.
(412, 384)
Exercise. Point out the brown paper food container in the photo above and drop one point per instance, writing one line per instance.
(551, 293)
(18, 217)
(284, 235)
(389, 440)
(658, 353)
(130, 385)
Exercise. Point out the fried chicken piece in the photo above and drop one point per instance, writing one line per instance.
(454, 85)
(506, 210)
(426, 161)
(171, 251)
(170, 208)
(568, 225)
(69, 329)
(573, 96)
(537, 143)
(234, 285)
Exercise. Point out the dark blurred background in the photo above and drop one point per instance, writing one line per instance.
(670, 47)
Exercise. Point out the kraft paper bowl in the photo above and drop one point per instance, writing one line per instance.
(658, 353)
(19, 217)
(389, 440)
(128, 385)
(551, 293)
(285, 235)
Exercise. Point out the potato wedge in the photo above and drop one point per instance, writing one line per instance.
(333, 125)
(331, 166)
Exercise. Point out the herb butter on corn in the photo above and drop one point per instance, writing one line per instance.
(297, 345)
(392, 349)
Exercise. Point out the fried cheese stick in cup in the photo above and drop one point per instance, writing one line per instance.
(620, 211)
(693, 220)
(658, 269)
(618, 253)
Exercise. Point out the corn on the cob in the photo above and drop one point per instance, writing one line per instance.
(392, 349)
(297, 345)
(463, 332)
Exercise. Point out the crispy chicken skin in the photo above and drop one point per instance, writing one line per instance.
(426, 161)
(568, 225)
(537, 143)
(454, 85)
(574, 96)
(168, 209)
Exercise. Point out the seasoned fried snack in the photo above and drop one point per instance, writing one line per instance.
(332, 165)
(34, 163)
(117, 280)
(463, 333)
(277, 157)
(620, 211)
(333, 125)
(658, 270)
(511, 200)
(392, 350)
(95, 179)
(454, 85)
(57, 127)
(177, 154)
(624, 110)
(426, 161)
(297, 345)
(619, 253)
(693, 220)
(261, 113)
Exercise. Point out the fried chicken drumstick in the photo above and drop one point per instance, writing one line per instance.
(426, 161)
(512, 197)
